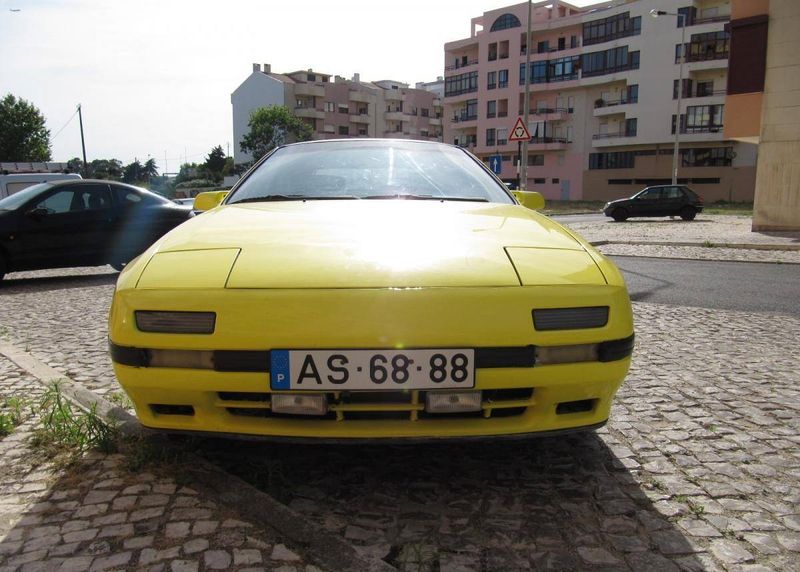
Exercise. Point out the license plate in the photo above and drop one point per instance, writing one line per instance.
(375, 370)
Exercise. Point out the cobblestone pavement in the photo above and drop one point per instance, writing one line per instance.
(702, 253)
(698, 469)
(96, 515)
(717, 229)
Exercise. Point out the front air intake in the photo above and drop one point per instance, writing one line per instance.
(570, 318)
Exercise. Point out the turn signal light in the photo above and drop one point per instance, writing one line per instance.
(299, 404)
(175, 322)
(566, 354)
(453, 402)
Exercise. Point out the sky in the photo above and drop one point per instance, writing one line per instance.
(154, 77)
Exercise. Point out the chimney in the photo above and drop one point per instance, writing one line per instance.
(267, 68)
(356, 77)
(256, 67)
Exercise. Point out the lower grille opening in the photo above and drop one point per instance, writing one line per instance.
(507, 394)
(581, 406)
(509, 412)
(163, 409)
(377, 415)
(455, 415)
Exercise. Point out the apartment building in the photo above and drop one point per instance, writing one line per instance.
(336, 107)
(603, 97)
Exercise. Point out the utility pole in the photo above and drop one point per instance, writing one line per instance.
(83, 144)
(523, 158)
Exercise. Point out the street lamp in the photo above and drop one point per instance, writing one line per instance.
(682, 22)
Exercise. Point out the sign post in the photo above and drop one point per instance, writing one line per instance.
(519, 134)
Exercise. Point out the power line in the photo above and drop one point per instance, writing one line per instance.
(65, 125)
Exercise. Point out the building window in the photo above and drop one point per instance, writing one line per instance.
(502, 79)
(562, 44)
(611, 28)
(490, 137)
(502, 136)
(491, 80)
(632, 94)
(330, 106)
(705, 88)
(687, 88)
(609, 61)
(707, 157)
(312, 77)
(536, 160)
(543, 47)
(611, 160)
(492, 52)
(708, 46)
(630, 127)
(425, 112)
(505, 22)
(491, 108)
(573, 41)
(362, 131)
(344, 130)
(702, 119)
(343, 108)
(539, 181)
(556, 181)
(462, 83)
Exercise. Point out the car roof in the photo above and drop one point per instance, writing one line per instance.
(375, 140)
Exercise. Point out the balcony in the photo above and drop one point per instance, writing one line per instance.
(464, 117)
(461, 64)
(309, 112)
(437, 102)
(360, 96)
(714, 93)
(549, 114)
(361, 118)
(392, 95)
(395, 116)
(309, 89)
(610, 139)
(436, 121)
(548, 143)
(604, 108)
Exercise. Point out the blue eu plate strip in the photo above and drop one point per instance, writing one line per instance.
(279, 369)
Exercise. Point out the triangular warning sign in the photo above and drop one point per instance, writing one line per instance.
(520, 132)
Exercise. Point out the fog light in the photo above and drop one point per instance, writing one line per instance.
(176, 322)
(453, 402)
(566, 354)
(298, 404)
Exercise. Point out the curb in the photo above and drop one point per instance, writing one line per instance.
(739, 246)
(650, 257)
(318, 545)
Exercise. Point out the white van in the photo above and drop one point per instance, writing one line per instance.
(10, 184)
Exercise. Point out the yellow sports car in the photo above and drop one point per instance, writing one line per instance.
(371, 289)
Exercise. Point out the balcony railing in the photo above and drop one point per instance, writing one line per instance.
(614, 135)
(464, 117)
(459, 65)
(611, 103)
(702, 129)
(713, 93)
(548, 110)
(710, 20)
(536, 140)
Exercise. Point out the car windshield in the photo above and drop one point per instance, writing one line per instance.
(18, 199)
(370, 170)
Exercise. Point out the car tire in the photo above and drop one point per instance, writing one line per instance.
(688, 213)
(620, 215)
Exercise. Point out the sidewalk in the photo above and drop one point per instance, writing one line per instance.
(709, 237)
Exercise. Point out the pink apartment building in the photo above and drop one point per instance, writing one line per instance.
(603, 94)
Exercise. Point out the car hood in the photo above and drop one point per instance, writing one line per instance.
(368, 244)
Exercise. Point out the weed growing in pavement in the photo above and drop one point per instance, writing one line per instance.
(12, 417)
(696, 508)
(708, 244)
(120, 398)
(145, 450)
(417, 557)
(65, 426)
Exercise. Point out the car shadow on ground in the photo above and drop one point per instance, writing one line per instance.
(557, 503)
(640, 220)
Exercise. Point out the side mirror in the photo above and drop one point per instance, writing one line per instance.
(531, 200)
(209, 200)
(38, 213)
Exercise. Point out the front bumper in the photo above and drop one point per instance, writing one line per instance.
(517, 399)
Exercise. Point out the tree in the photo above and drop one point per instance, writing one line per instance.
(215, 162)
(23, 136)
(273, 126)
(106, 169)
(150, 169)
(75, 165)
(133, 172)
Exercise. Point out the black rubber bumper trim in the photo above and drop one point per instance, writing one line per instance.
(259, 360)
(616, 349)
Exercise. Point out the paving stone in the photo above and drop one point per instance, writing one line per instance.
(730, 552)
(217, 559)
(195, 545)
(246, 556)
(280, 552)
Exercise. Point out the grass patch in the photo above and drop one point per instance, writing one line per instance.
(570, 207)
(67, 427)
(727, 208)
(10, 415)
(121, 399)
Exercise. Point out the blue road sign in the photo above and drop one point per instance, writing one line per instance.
(496, 164)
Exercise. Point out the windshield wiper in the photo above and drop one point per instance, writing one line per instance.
(426, 198)
(275, 198)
